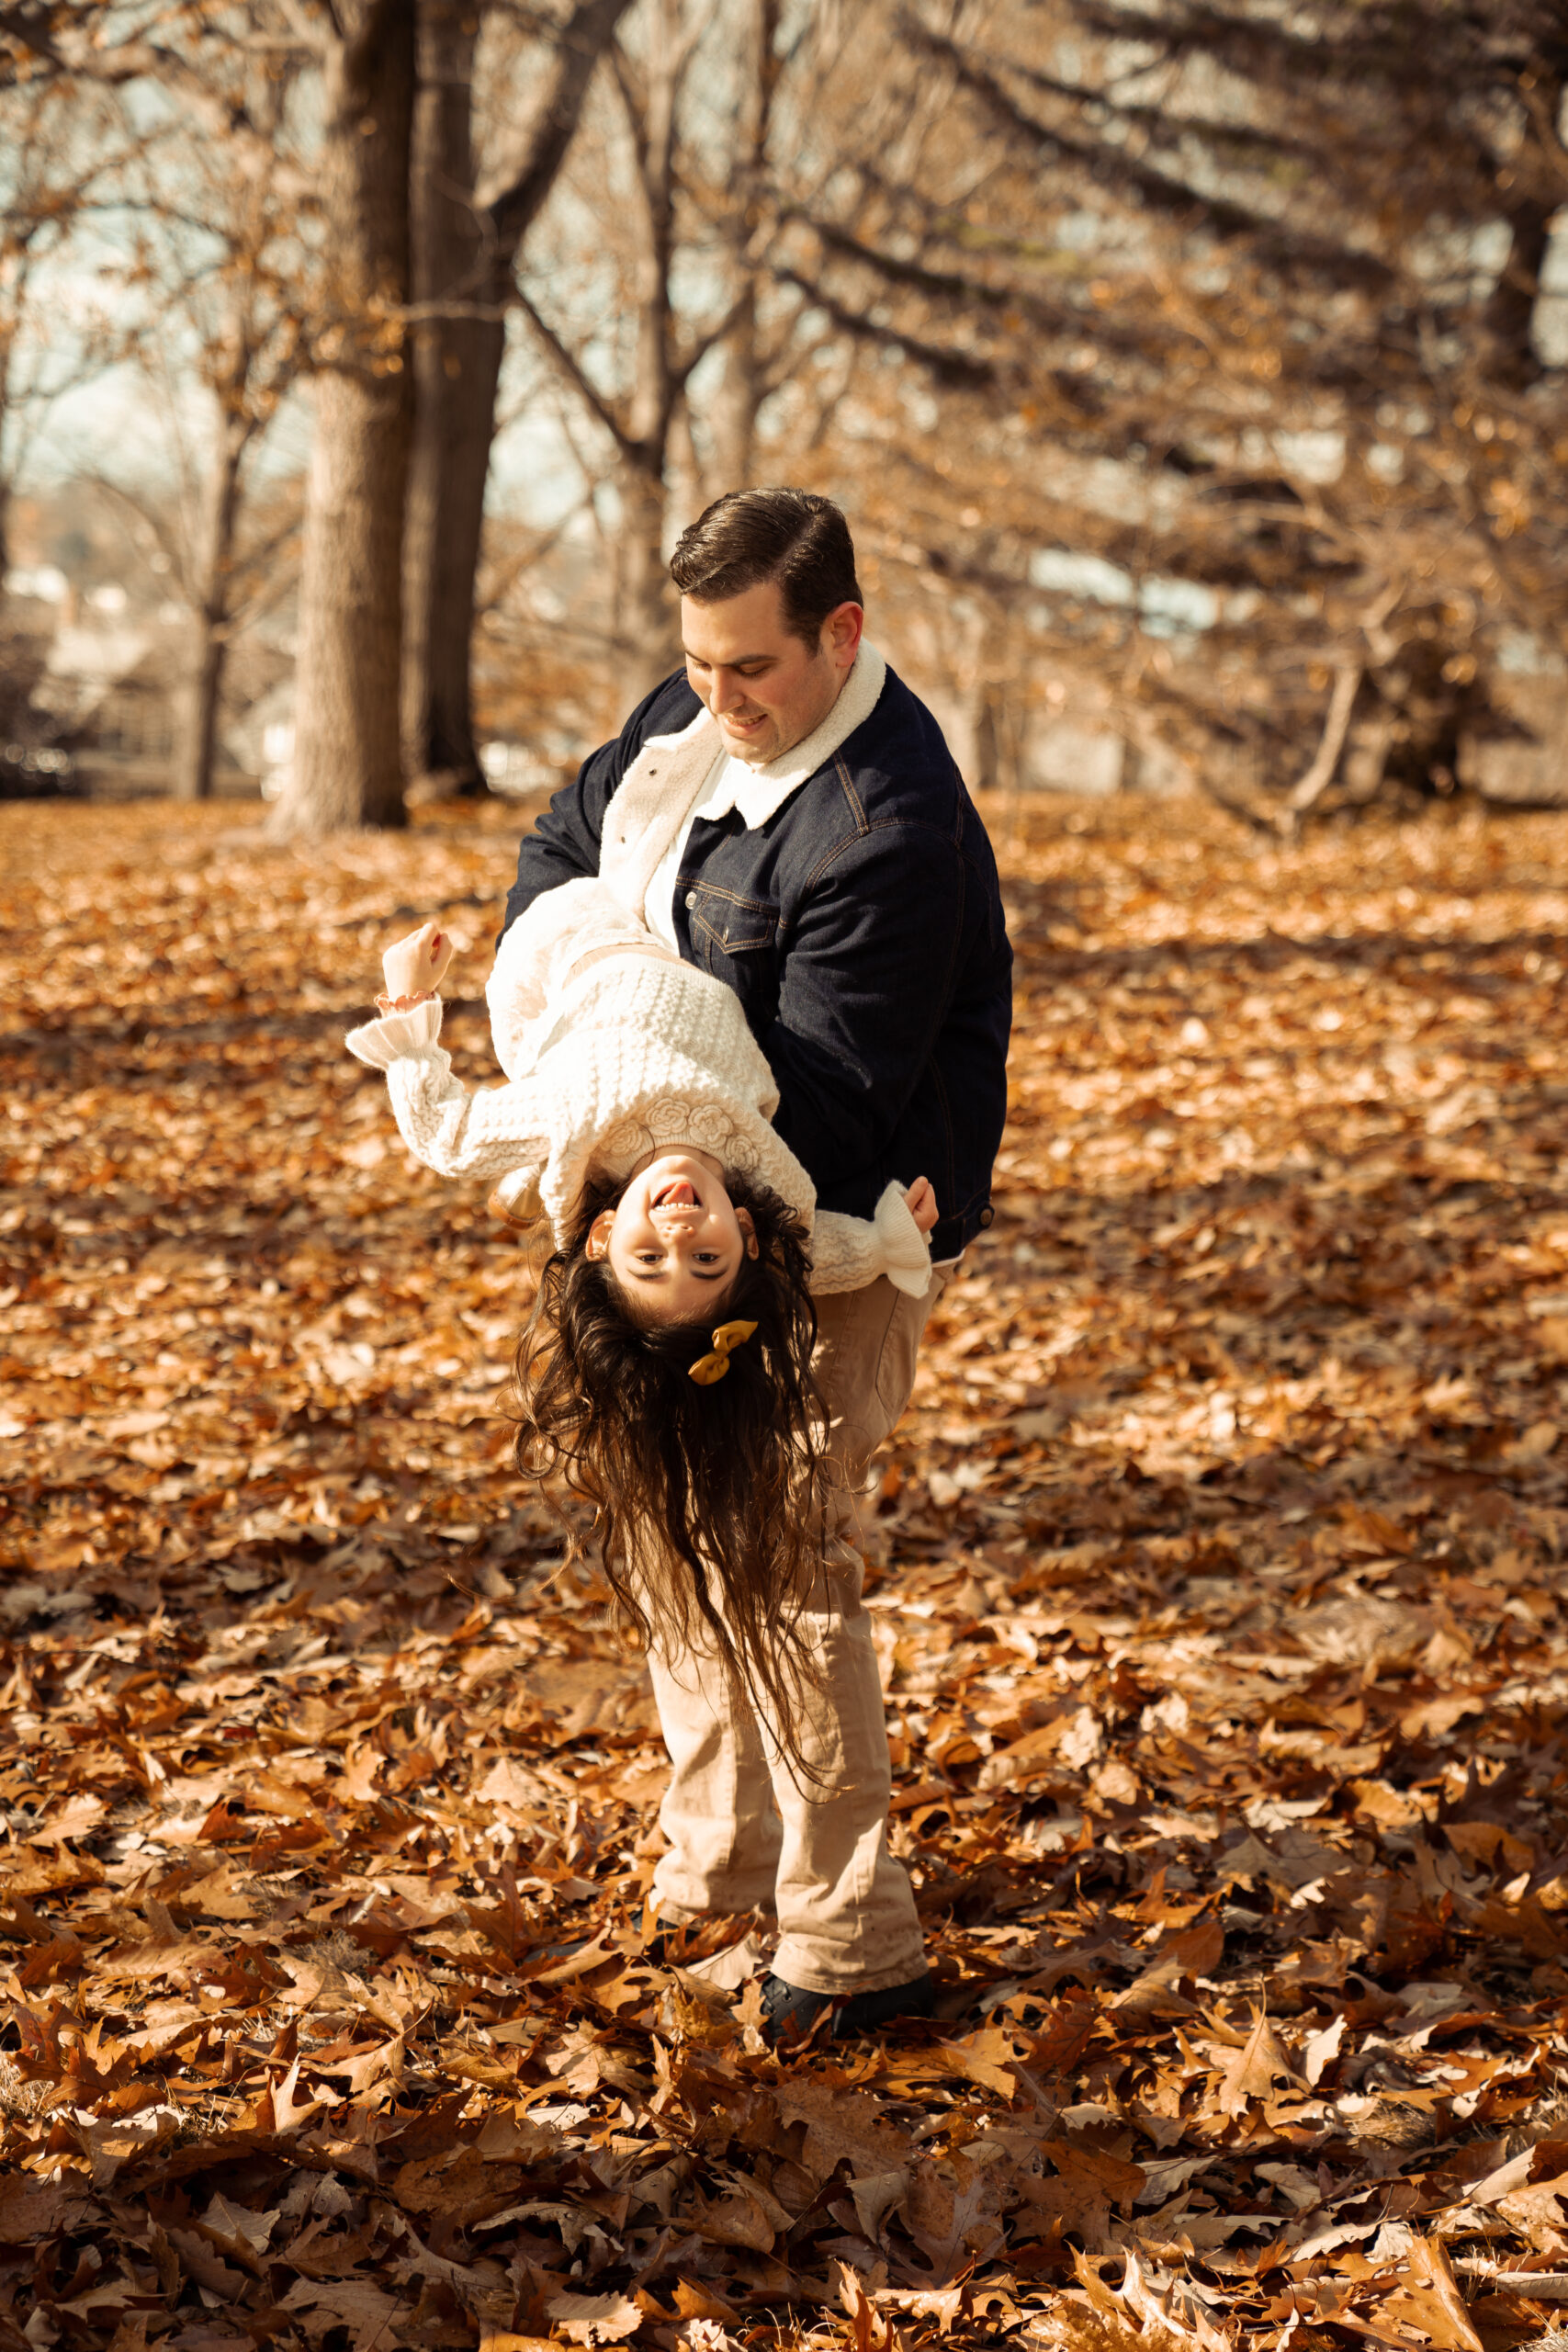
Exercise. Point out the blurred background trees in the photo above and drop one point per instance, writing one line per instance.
(1193, 375)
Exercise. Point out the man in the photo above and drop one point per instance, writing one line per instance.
(830, 866)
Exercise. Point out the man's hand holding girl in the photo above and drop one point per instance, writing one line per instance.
(920, 1200)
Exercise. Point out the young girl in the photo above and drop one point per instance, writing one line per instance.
(666, 1366)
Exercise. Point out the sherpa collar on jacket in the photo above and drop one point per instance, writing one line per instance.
(765, 789)
(669, 774)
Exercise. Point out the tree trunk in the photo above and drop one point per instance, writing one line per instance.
(464, 250)
(745, 383)
(740, 397)
(198, 741)
(648, 616)
(1510, 308)
(197, 744)
(649, 621)
(347, 759)
(6, 344)
(456, 367)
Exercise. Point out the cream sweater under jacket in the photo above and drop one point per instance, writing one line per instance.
(614, 1048)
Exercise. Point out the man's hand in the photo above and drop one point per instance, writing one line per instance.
(415, 965)
(920, 1200)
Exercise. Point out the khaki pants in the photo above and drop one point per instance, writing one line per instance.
(746, 1831)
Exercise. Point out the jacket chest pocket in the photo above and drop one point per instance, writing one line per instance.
(725, 924)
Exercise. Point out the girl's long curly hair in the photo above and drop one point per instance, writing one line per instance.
(708, 1499)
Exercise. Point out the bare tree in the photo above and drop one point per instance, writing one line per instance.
(347, 753)
(345, 161)
(470, 219)
(657, 292)
(227, 277)
(60, 157)
(1209, 341)
(750, 356)
(655, 347)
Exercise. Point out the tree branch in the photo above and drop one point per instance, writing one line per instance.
(586, 391)
(954, 368)
(1320, 776)
(135, 60)
(514, 202)
(1162, 190)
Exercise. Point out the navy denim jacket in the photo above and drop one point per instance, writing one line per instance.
(862, 928)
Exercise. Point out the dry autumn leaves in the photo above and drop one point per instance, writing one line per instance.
(1218, 1585)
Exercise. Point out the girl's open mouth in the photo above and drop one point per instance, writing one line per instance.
(678, 1193)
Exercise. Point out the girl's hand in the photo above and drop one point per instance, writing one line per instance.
(921, 1202)
(415, 965)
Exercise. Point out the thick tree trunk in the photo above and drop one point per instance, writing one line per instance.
(347, 758)
(447, 476)
(456, 367)
(196, 747)
(464, 248)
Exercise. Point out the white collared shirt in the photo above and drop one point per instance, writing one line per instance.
(760, 793)
(730, 785)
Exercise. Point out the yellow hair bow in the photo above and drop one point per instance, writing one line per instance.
(709, 1368)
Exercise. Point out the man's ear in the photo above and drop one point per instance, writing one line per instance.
(597, 1245)
(743, 1219)
(841, 633)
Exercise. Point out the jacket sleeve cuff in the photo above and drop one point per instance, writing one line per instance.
(396, 1036)
(905, 1253)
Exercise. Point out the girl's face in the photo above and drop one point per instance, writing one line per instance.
(674, 1239)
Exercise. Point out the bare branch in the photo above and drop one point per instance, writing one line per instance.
(1320, 774)
(956, 369)
(513, 199)
(586, 391)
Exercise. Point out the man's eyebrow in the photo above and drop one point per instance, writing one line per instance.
(741, 661)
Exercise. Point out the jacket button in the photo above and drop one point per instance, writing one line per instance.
(987, 1217)
(691, 897)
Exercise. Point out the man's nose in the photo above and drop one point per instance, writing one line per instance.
(727, 690)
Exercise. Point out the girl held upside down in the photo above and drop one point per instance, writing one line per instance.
(666, 1365)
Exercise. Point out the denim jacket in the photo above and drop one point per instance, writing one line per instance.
(861, 928)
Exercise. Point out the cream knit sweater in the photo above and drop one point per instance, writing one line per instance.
(614, 1048)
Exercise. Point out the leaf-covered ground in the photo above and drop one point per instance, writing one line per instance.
(1219, 1584)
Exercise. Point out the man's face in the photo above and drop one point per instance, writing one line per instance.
(766, 688)
(674, 1240)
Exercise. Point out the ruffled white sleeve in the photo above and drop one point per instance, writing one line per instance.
(500, 1131)
(848, 1252)
(380, 1043)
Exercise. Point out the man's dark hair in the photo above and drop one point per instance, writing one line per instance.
(790, 535)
